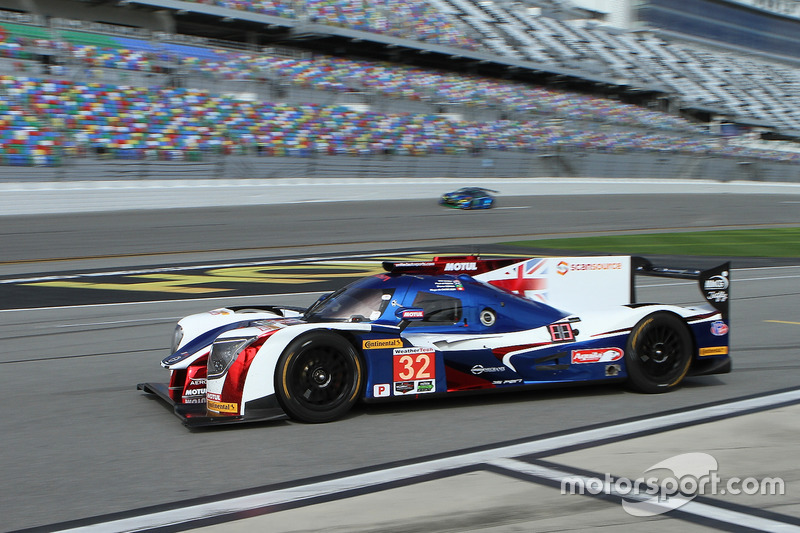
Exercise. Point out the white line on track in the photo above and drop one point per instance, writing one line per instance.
(372, 479)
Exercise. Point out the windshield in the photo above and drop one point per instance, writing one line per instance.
(352, 304)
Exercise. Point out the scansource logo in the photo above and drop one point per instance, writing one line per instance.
(690, 475)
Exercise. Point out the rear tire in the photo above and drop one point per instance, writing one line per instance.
(658, 353)
(319, 377)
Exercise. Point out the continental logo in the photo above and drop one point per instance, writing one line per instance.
(377, 344)
(714, 350)
(222, 407)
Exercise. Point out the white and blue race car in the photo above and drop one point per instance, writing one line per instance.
(447, 326)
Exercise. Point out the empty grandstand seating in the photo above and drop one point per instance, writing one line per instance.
(699, 77)
(42, 119)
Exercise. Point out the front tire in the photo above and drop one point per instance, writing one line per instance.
(319, 377)
(659, 352)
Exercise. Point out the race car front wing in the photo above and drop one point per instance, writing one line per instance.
(195, 415)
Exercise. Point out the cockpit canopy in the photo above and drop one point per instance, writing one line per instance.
(457, 303)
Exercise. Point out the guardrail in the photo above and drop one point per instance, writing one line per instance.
(486, 164)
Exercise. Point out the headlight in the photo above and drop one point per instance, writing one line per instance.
(177, 337)
(224, 352)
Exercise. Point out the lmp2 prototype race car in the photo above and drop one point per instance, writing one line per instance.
(443, 327)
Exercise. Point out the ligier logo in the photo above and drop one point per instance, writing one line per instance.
(460, 266)
(598, 355)
(562, 268)
(480, 369)
(377, 344)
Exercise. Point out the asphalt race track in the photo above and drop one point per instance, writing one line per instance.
(89, 300)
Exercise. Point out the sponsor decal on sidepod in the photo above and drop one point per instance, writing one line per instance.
(597, 355)
(713, 350)
(719, 328)
(382, 343)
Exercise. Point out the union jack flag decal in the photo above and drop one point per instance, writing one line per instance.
(528, 279)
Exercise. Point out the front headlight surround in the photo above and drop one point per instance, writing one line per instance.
(177, 337)
(224, 353)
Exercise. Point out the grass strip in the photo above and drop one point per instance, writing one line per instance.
(767, 242)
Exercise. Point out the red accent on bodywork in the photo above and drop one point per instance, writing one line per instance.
(233, 388)
(196, 379)
(459, 381)
(438, 265)
(503, 350)
(179, 380)
(520, 285)
(615, 332)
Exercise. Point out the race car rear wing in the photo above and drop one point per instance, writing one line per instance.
(572, 282)
(714, 283)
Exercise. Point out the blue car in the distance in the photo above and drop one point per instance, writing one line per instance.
(469, 198)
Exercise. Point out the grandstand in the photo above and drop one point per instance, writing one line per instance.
(189, 79)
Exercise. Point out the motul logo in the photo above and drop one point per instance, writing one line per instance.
(460, 266)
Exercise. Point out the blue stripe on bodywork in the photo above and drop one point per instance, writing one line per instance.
(199, 342)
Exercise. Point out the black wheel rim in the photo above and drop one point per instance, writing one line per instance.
(662, 352)
(321, 378)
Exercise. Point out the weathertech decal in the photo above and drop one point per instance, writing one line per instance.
(414, 365)
(597, 355)
(377, 344)
(714, 350)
